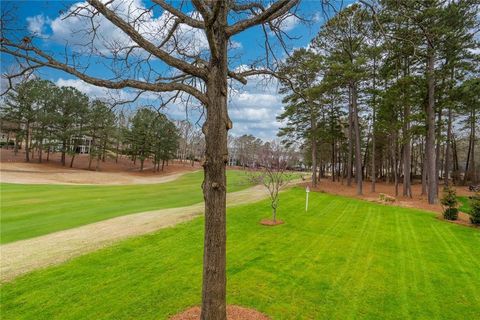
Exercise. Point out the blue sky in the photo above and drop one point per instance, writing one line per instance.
(253, 108)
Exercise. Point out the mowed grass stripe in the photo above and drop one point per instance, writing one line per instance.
(33, 210)
(467, 270)
(412, 277)
(355, 260)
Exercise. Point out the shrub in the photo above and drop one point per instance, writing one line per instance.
(475, 211)
(450, 203)
(450, 213)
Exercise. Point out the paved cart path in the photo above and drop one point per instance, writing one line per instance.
(23, 256)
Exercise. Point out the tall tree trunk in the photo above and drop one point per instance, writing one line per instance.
(40, 151)
(407, 145)
(350, 138)
(15, 147)
(373, 168)
(358, 151)
(314, 150)
(470, 172)
(104, 151)
(333, 160)
(407, 153)
(430, 139)
(448, 146)
(424, 170)
(92, 147)
(438, 146)
(27, 142)
(214, 186)
(394, 162)
(374, 96)
(365, 158)
(474, 121)
(469, 152)
(314, 161)
(64, 147)
(71, 161)
(455, 160)
(117, 150)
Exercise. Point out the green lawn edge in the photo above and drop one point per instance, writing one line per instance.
(343, 259)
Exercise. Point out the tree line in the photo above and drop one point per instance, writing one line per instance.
(388, 92)
(248, 151)
(45, 118)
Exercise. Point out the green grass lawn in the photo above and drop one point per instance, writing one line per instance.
(464, 203)
(344, 259)
(33, 210)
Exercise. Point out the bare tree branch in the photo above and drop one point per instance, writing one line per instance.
(52, 63)
(144, 43)
(274, 11)
(182, 17)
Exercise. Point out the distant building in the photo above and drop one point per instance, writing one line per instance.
(8, 132)
(83, 144)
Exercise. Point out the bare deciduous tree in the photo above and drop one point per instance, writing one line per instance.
(273, 174)
(199, 72)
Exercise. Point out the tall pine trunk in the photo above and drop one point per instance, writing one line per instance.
(407, 154)
(438, 163)
(358, 151)
(424, 170)
(27, 141)
(64, 147)
(373, 169)
(448, 147)
(314, 151)
(350, 138)
(430, 122)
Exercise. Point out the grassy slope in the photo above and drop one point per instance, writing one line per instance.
(32, 210)
(344, 259)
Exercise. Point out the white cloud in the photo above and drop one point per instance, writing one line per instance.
(94, 92)
(37, 24)
(76, 29)
(255, 107)
(289, 23)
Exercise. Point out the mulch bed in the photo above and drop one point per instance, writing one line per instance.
(463, 219)
(233, 313)
(271, 223)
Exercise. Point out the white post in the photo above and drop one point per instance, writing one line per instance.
(307, 190)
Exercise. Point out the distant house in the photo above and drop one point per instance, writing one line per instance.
(83, 144)
(8, 132)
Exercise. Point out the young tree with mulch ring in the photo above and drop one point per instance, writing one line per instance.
(273, 175)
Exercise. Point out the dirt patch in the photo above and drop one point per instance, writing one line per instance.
(233, 313)
(111, 164)
(387, 191)
(13, 169)
(271, 223)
